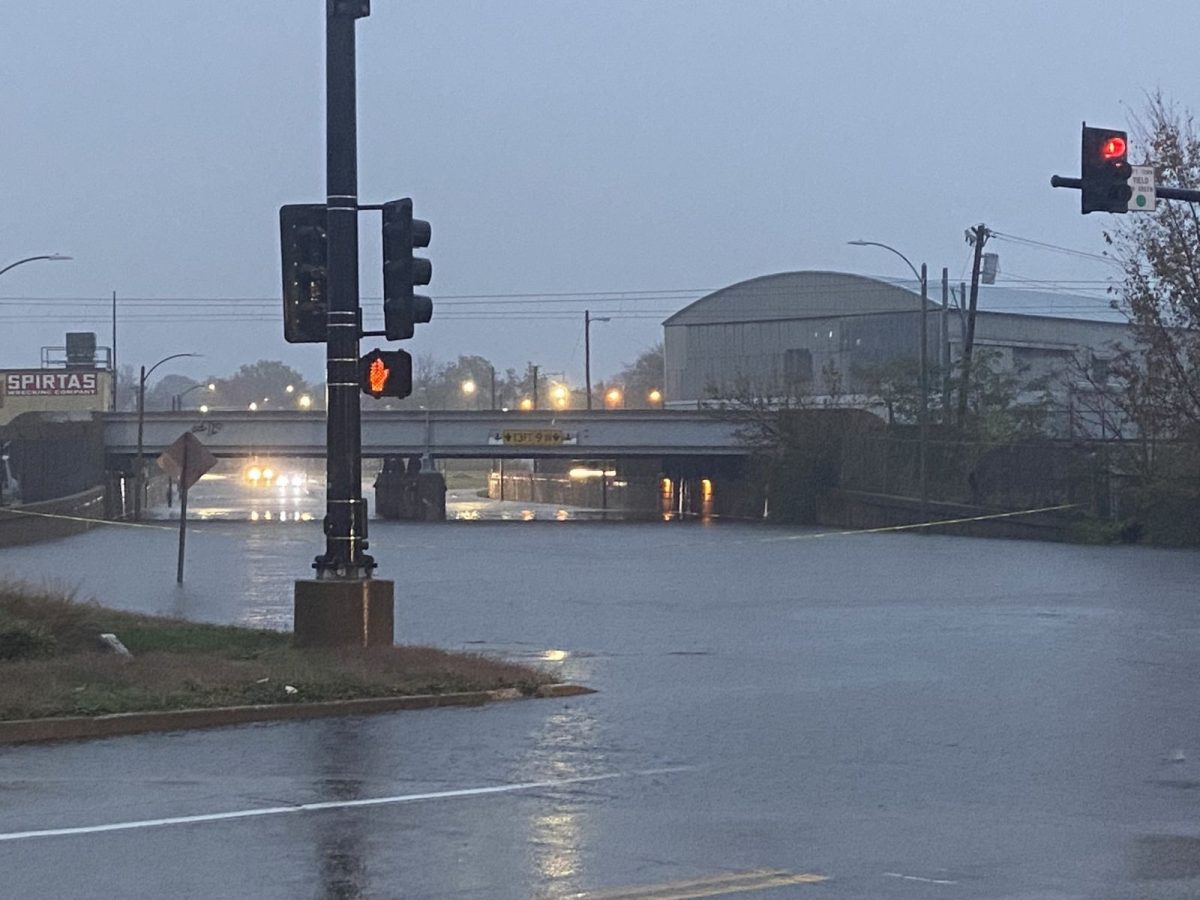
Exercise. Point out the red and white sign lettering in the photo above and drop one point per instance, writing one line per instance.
(50, 384)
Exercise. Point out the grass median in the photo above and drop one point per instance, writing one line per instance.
(52, 663)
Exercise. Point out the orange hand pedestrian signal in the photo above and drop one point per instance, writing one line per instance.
(377, 376)
(386, 373)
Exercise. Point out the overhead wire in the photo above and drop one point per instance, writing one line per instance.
(546, 305)
(1055, 248)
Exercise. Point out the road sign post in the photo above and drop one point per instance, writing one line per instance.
(187, 459)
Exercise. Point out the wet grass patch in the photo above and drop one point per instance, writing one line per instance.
(52, 663)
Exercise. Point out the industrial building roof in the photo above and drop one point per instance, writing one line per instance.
(819, 294)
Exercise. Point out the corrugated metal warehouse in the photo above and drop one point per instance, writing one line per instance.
(772, 335)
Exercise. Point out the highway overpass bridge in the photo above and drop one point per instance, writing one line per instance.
(574, 434)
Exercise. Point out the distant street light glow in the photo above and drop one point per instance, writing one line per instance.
(580, 473)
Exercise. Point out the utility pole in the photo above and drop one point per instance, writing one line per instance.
(923, 425)
(114, 351)
(535, 385)
(587, 355)
(139, 474)
(944, 355)
(978, 237)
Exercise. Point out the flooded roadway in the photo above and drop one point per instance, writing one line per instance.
(905, 716)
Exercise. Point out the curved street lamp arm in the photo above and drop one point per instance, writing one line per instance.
(194, 387)
(167, 359)
(55, 256)
(886, 247)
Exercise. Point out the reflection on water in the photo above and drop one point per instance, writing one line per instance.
(341, 845)
(224, 497)
(269, 618)
(281, 516)
(556, 844)
(563, 748)
(467, 507)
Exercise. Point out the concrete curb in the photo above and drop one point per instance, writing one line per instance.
(23, 731)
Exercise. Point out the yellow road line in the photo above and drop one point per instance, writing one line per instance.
(706, 886)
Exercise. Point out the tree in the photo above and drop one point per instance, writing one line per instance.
(127, 388)
(265, 383)
(164, 391)
(467, 383)
(1003, 403)
(1159, 378)
(894, 384)
(640, 377)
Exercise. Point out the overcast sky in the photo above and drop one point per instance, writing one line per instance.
(557, 148)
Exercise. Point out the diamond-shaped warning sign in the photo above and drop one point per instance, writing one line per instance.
(186, 459)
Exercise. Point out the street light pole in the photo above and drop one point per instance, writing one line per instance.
(587, 351)
(923, 368)
(54, 257)
(140, 473)
(177, 400)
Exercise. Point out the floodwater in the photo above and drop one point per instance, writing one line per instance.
(898, 714)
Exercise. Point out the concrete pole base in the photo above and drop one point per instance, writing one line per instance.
(352, 613)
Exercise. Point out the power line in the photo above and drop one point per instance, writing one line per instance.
(743, 292)
(1056, 248)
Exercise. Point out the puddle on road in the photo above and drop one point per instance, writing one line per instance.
(1176, 783)
(1164, 857)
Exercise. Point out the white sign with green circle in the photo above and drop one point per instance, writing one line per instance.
(1142, 182)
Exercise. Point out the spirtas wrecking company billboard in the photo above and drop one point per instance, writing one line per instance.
(54, 390)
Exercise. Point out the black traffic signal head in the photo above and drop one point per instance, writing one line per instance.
(1105, 171)
(305, 271)
(386, 373)
(402, 309)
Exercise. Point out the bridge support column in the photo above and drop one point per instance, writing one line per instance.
(344, 613)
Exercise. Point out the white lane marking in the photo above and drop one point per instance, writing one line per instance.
(919, 878)
(337, 804)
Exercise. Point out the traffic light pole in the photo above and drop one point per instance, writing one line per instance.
(1164, 193)
(343, 606)
(345, 511)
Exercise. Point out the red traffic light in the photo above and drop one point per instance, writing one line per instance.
(1104, 171)
(1113, 148)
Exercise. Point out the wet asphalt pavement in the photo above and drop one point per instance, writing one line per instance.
(898, 715)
